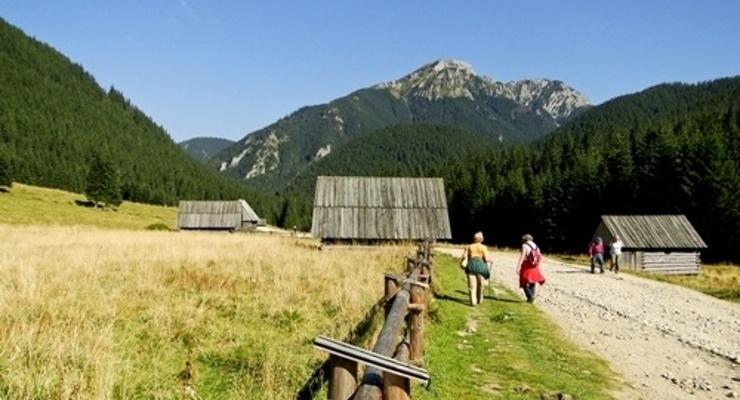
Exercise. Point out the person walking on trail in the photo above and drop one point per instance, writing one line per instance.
(596, 252)
(475, 263)
(528, 267)
(615, 253)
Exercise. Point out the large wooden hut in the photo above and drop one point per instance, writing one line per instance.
(662, 244)
(216, 215)
(371, 209)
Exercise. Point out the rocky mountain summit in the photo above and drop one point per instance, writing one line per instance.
(453, 79)
(444, 92)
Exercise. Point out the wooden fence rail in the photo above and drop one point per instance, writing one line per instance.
(385, 377)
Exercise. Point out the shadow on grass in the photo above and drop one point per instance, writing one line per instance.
(467, 302)
(452, 299)
(500, 299)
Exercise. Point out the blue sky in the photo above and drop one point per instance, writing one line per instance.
(226, 68)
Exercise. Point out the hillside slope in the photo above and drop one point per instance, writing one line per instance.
(445, 92)
(203, 148)
(32, 205)
(54, 118)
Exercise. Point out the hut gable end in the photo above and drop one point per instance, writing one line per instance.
(380, 208)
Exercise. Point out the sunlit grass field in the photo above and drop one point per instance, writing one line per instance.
(31, 205)
(98, 313)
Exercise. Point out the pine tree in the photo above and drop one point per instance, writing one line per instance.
(103, 183)
(6, 179)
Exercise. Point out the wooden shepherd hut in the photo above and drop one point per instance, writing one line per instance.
(661, 244)
(216, 215)
(378, 209)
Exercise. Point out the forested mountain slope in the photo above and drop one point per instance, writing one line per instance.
(445, 92)
(203, 148)
(415, 150)
(671, 149)
(54, 118)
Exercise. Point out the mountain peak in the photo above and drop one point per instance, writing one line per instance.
(449, 64)
(436, 80)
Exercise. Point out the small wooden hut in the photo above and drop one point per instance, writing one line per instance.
(662, 244)
(372, 209)
(216, 215)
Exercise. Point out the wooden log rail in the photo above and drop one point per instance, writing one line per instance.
(397, 355)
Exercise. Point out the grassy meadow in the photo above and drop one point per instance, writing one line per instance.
(504, 348)
(32, 205)
(96, 313)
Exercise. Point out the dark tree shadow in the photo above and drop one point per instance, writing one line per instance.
(85, 203)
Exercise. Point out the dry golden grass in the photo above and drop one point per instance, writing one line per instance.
(721, 281)
(96, 314)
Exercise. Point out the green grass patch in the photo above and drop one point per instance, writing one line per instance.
(504, 348)
(31, 205)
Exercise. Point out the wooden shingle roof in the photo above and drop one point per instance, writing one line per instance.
(654, 231)
(380, 208)
(214, 214)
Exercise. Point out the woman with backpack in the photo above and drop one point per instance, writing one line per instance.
(528, 267)
(475, 263)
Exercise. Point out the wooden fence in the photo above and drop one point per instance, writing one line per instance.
(397, 356)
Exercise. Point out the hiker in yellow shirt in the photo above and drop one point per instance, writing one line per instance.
(475, 262)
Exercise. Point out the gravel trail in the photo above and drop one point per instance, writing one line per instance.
(668, 342)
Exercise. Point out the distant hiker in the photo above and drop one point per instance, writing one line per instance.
(596, 252)
(475, 263)
(615, 253)
(528, 267)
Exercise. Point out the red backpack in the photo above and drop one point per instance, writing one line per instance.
(534, 257)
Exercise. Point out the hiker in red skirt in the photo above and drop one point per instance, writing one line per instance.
(528, 267)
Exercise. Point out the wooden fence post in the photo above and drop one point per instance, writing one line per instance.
(397, 387)
(391, 287)
(343, 379)
(416, 325)
(410, 264)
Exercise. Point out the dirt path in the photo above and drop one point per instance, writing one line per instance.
(667, 341)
